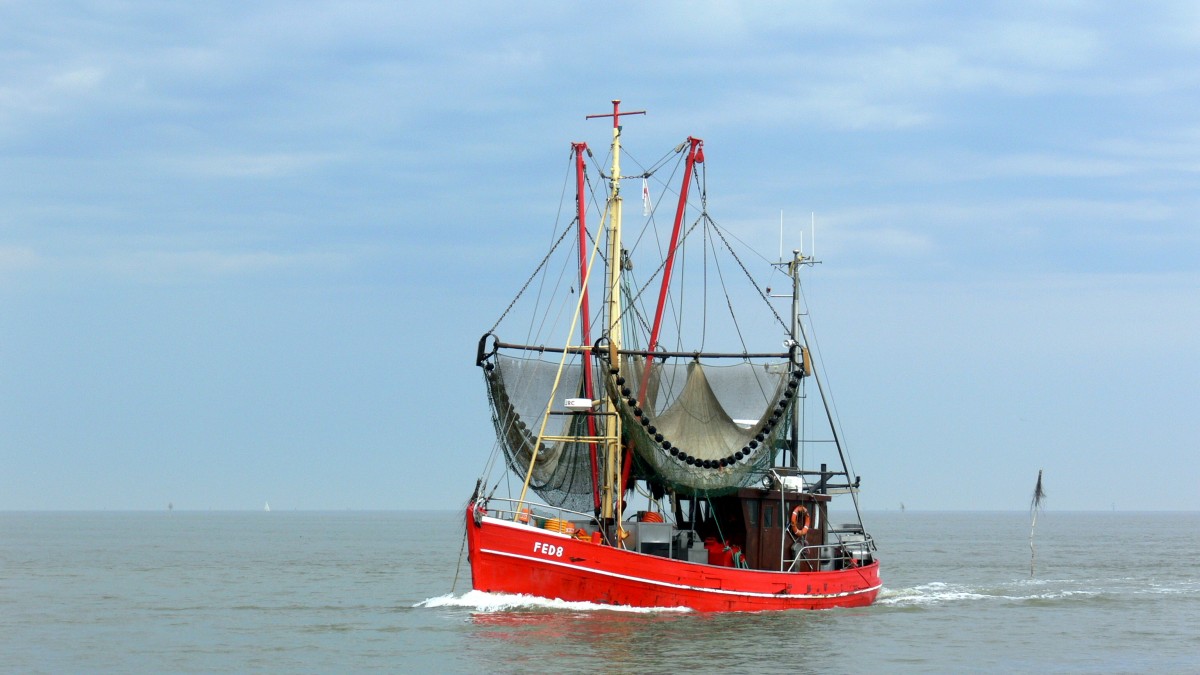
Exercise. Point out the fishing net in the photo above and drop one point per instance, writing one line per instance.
(700, 429)
(518, 390)
(705, 428)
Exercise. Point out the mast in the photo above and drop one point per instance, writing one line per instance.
(585, 326)
(612, 488)
(695, 156)
(794, 269)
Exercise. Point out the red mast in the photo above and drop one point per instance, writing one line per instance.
(586, 326)
(695, 156)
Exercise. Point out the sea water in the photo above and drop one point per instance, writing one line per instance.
(219, 592)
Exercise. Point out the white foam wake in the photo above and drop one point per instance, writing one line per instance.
(938, 593)
(504, 602)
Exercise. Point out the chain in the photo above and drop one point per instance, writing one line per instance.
(745, 271)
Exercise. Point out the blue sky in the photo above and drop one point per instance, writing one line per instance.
(247, 249)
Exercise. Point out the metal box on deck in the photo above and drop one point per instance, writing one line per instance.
(653, 538)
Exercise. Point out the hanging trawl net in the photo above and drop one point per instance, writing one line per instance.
(705, 428)
(518, 389)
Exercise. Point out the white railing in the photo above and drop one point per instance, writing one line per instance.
(839, 555)
(533, 514)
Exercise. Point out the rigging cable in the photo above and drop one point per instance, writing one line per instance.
(761, 294)
(660, 267)
(729, 303)
(528, 281)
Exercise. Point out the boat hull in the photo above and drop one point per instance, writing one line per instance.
(509, 557)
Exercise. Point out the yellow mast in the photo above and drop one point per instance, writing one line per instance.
(612, 469)
(612, 487)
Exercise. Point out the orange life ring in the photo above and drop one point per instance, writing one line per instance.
(796, 528)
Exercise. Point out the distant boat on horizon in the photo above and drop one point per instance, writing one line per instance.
(266, 506)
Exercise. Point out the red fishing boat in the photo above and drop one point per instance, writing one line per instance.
(637, 465)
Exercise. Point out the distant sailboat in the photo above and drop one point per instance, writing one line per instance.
(266, 506)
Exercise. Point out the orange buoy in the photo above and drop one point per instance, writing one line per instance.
(796, 528)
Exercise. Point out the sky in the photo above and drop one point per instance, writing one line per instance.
(247, 249)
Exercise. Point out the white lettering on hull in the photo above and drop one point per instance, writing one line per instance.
(547, 549)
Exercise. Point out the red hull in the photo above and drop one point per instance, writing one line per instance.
(509, 557)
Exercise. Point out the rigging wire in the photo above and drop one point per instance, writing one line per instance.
(547, 320)
(540, 265)
(660, 267)
(829, 386)
(666, 189)
(598, 213)
(729, 302)
(757, 288)
(562, 197)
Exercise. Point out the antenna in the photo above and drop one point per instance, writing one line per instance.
(780, 235)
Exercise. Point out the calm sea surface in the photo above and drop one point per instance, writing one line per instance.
(353, 591)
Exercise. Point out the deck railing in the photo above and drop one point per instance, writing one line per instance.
(852, 549)
(538, 515)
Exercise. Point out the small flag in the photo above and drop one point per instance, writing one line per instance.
(647, 207)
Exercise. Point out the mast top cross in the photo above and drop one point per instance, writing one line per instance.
(616, 113)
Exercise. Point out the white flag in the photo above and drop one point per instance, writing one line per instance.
(646, 205)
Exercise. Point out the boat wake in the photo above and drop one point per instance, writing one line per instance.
(937, 593)
(481, 601)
